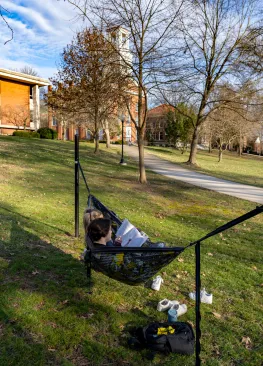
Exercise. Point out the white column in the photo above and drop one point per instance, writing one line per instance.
(36, 107)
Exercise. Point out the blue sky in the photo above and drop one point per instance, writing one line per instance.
(41, 29)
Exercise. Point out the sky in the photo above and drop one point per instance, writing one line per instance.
(42, 28)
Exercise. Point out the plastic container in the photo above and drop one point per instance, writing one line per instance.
(172, 315)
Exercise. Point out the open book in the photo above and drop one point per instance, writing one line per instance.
(131, 237)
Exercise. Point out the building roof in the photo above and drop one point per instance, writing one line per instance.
(160, 110)
(25, 78)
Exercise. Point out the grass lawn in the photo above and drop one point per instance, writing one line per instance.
(247, 169)
(47, 316)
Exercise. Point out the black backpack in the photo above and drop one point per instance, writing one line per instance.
(175, 337)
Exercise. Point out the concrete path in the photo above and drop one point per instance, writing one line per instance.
(174, 171)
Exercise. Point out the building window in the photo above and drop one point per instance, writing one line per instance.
(101, 134)
(88, 135)
(54, 122)
(161, 135)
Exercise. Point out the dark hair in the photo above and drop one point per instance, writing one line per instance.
(98, 229)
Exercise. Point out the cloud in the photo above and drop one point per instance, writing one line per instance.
(41, 30)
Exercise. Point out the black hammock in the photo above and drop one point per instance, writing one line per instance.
(136, 265)
(128, 265)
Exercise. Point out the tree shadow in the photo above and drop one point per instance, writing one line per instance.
(44, 295)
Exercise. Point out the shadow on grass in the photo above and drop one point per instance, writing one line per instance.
(47, 316)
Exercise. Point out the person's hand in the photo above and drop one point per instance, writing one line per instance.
(118, 241)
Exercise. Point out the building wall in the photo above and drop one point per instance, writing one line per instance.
(14, 94)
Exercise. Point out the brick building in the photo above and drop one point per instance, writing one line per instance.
(156, 124)
(19, 101)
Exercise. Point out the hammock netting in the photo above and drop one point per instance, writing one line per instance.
(128, 265)
(136, 265)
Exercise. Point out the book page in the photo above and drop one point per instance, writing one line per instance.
(133, 238)
(124, 228)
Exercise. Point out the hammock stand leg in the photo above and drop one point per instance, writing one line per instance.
(76, 185)
(197, 304)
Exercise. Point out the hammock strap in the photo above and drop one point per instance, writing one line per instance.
(230, 224)
(83, 176)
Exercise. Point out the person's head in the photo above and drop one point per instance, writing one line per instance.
(90, 214)
(99, 230)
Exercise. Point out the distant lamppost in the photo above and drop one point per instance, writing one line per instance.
(122, 118)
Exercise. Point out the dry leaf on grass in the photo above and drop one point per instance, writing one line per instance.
(255, 268)
(210, 254)
(35, 273)
(180, 260)
(247, 342)
(64, 302)
(217, 315)
(87, 316)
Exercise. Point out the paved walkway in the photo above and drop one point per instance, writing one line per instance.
(174, 171)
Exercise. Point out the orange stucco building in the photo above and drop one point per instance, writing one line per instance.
(19, 101)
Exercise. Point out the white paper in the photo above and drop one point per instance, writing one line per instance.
(131, 237)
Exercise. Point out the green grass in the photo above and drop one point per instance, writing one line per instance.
(47, 316)
(247, 169)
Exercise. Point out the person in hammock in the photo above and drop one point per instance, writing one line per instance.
(90, 214)
(99, 231)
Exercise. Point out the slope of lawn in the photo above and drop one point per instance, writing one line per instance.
(247, 169)
(48, 317)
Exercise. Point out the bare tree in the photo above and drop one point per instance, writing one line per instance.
(28, 70)
(17, 115)
(207, 52)
(224, 129)
(148, 24)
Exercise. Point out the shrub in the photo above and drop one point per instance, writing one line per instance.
(35, 135)
(119, 142)
(26, 134)
(54, 134)
(47, 133)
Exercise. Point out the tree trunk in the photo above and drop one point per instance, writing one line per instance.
(193, 151)
(107, 133)
(141, 157)
(210, 146)
(96, 134)
(64, 128)
(240, 145)
(96, 140)
(220, 154)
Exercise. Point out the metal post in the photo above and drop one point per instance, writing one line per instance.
(197, 304)
(122, 159)
(76, 185)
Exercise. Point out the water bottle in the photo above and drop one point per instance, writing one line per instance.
(172, 315)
